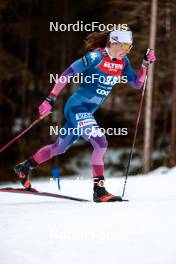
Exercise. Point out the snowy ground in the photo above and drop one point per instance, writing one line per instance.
(37, 229)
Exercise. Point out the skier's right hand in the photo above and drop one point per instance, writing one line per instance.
(46, 107)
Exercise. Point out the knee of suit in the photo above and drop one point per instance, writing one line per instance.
(100, 142)
(58, 148)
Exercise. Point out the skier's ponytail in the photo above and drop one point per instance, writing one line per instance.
(96, 40)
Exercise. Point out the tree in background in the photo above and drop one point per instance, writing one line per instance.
(173, 114)
(149, 91)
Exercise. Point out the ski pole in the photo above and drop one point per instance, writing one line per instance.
(22, 133)
(135, 134)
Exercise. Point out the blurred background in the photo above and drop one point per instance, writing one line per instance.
(29, 52)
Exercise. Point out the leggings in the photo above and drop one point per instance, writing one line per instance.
(84, 122)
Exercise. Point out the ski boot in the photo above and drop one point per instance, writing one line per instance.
(101, 195)
(23, 171)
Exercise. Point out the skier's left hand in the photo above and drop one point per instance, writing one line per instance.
(149, 57)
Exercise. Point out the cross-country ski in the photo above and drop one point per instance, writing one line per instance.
(35, 192)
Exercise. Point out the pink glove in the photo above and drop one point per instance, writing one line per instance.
(46, 107)
(149, 57)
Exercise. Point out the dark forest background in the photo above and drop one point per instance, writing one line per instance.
(29, 52)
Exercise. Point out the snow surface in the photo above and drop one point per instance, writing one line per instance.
(46, 230)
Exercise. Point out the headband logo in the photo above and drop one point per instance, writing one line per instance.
(115, 38)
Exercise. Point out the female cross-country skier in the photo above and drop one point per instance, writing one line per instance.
(107, 58)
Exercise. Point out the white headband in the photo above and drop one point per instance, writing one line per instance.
(121, 36)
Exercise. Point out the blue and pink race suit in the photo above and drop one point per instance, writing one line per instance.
(99, 74)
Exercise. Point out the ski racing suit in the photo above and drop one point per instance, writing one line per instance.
(87, 98)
